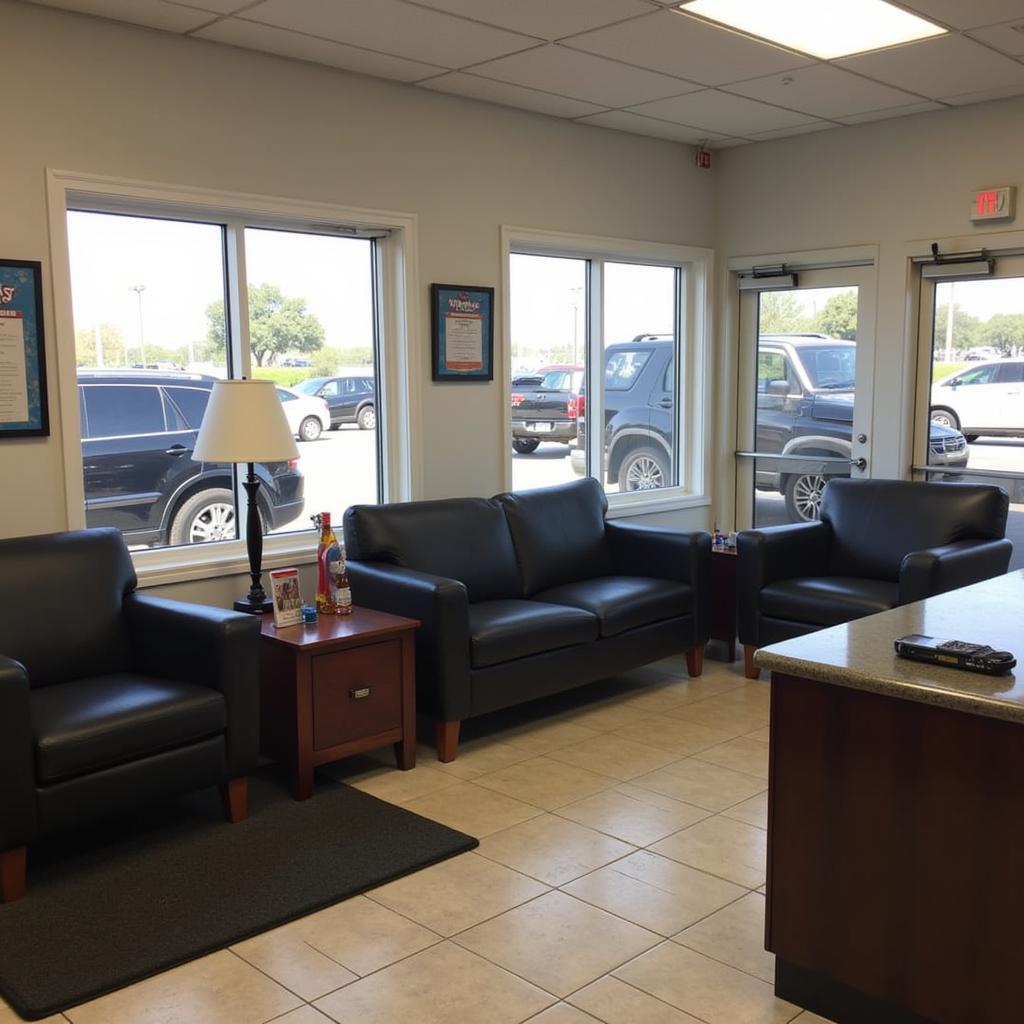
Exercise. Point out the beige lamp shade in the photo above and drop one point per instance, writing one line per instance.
(244, 422)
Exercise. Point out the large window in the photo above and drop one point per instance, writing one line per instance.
(607, 361)
(164, 304)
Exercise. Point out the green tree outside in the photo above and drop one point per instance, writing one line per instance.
(1004, 331)
(838, 317)
(782, 313)
(276, 325)
(966, 327)
(109, 352)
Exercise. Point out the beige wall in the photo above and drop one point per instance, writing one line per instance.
(896, 184)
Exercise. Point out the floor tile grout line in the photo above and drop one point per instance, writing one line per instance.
(259, 970)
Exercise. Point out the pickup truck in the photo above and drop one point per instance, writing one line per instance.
(545, 406)
(804, 407)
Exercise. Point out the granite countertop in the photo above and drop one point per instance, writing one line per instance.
(860, 654)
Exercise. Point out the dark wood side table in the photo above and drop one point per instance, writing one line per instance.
(342, 686)
(723, 600)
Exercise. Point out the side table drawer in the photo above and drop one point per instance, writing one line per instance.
(356, 693)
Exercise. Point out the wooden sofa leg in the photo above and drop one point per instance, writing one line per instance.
(234, 794)
(750, 670)
(447, 740)
(695, 661)
(12, 874)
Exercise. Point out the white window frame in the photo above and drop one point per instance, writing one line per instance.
(399, 362)
(693, 362)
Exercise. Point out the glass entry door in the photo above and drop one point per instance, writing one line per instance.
(971, 386)
(806, 362)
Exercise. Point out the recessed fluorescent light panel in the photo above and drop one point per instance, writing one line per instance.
(822, 28)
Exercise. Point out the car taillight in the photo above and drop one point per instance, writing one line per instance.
(571, 408)
(517, 399)
(577, 407)
(293, 463)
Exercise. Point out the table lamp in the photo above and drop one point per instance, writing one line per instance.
(244, 422)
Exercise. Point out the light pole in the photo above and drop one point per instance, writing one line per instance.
(139, 289)
(577, 298)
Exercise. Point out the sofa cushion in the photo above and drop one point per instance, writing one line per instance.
(465, 539)
(828, 600)
(95, 723)
(558, 534)
(876, 523)
(501, 631)
(624, 602)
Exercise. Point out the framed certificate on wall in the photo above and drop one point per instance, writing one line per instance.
(23, 405)
(462, 332)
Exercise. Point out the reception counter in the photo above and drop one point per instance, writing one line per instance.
(896, 818)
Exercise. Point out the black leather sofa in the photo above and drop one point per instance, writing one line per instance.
(108, 699)
(879, 544)
(526, 594)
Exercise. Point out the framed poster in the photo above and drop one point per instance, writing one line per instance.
(23, 405)
(462, 332)
(287, 598)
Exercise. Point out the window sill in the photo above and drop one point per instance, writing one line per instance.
(159, 567)
(621, 506)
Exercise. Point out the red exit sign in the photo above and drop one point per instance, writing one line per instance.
(994, 203)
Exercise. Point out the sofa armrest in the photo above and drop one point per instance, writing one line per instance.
(17, 772)
(772, 554)
(206, 646)
(666, 553)
(442, 640)
(936, 570)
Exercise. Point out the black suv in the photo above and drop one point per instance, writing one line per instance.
(804, 407)
(138, 432)
(349, 399)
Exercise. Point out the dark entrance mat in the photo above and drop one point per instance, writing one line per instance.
(107, 907)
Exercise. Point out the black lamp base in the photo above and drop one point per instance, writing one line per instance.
(256, 601)
(245, 604)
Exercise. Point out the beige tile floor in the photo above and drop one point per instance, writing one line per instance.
(619, 880)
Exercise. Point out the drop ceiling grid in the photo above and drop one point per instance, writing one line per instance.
(634, 65)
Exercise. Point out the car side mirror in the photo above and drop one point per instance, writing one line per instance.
(778, 388)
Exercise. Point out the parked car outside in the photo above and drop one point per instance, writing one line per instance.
(987, 398)
(295, 361)
(805, 403)
(308, 416)
(138, 433)
(350, 399)
(982, 353)
(545, 407)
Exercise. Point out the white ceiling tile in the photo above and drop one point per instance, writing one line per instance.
(253, 36)
(582, 76)
(151, 13)
(964, 14)
(884, 115)
(544, 18)
(984, 96)
(946, 66)
(389, 26)
(637, 124)
(679, 45)
(785, 133)
(1009, 38)
(461, 84)
(822, 90)
(718, 111)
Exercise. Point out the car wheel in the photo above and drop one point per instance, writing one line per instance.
(310, 429)
(367, 418)
(803, 497)
(525, 445)
(207, 515)
(945, 417)
(643, 469)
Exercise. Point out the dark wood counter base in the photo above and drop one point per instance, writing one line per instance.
(895, 831)
(834, 1001)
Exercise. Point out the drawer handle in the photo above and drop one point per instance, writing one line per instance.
(360, 694)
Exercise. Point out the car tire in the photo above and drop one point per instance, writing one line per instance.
(525, 445)
(944, 417)
(803, 496)
(310, 429)
(643, 469)
(205, 516)
(367, 418)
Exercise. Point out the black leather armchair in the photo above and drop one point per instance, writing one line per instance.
(526, 594)
(110, 699)
(879, 544)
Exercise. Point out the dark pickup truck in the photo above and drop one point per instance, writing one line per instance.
(544, 407)
(804, 407)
